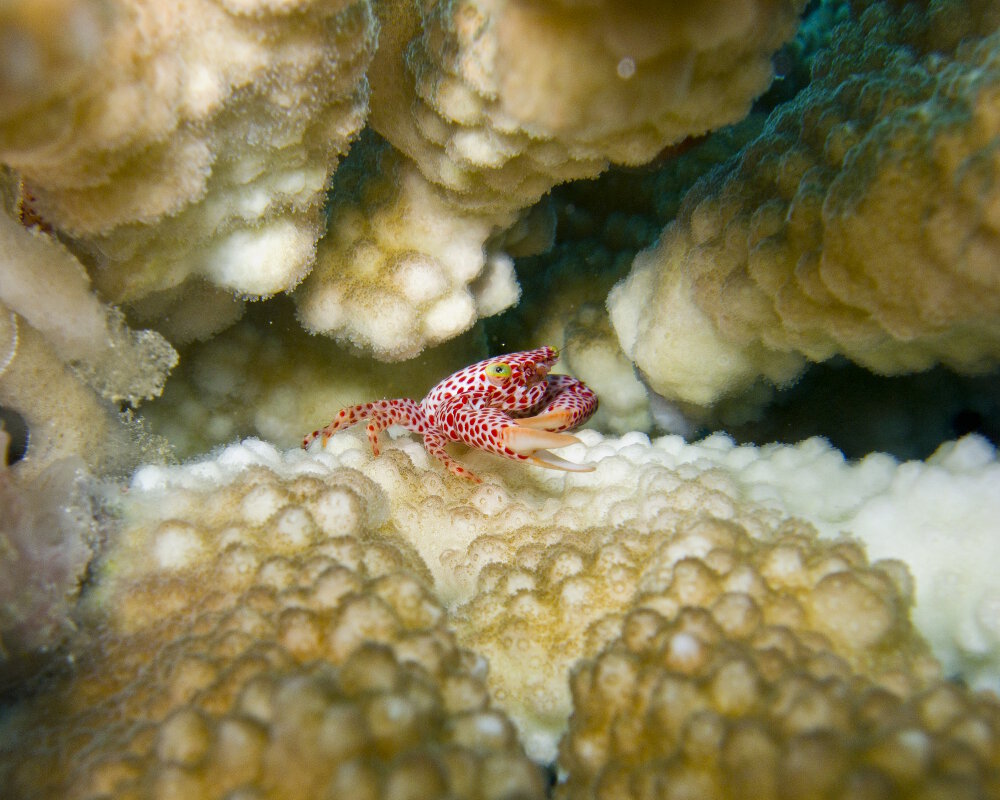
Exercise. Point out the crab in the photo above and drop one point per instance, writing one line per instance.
(508, 405)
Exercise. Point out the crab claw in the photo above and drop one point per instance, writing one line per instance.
(530, 442)
(543, 458)
(548, 421)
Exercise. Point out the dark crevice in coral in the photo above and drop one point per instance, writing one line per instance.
(350, 179)
(32, 675)
(17, 429)
(907, 416)
(792, 64)
(602, 223)
(550, 773)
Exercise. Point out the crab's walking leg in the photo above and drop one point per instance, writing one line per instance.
(567, 404)
(493, 430)
(434, 442)
(380, 415)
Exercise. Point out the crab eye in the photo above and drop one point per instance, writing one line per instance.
(498, 371)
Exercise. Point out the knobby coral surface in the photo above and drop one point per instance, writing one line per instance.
(862, 221)
(551, 600)
(719, 704)
(490, 104)
(256, 638)
(286, 623)
(185, 151)
(399, 270)
(191, 140)
(685, 619)
(599, 227)
(580, 545)
(66, 358)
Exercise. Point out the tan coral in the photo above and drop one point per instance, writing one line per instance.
(600, 226)
(194, 139)
(861, 222)
(593, 355)
(532, 561)
(398, 269)
(50, 290)
(687, 705)
(597, 82)
(553, 599)
(63, 416)
(540, 568)
(938, 516)
(490, 104)
(260, 639)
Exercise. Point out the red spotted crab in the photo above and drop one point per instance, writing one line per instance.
(509, 405)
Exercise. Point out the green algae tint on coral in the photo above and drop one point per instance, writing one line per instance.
(861, 222)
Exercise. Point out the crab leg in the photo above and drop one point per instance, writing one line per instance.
(381, 415)
(434, 442)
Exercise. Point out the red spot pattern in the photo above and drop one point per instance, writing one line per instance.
(470, 407)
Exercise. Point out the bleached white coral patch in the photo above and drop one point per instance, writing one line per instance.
(496, 286)
(176, 545)
(945, 514)
(261, 262)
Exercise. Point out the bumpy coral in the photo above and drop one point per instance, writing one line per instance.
(720, 703)
(258, 575)
(192, 139)
(539, 522)
(932, 514)
(595, 84)
(521, 514)
(257, 639)
(553, 599)
(67, 359)
(861, 222)
(489, 105)
(399, 270)
(600, 226)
